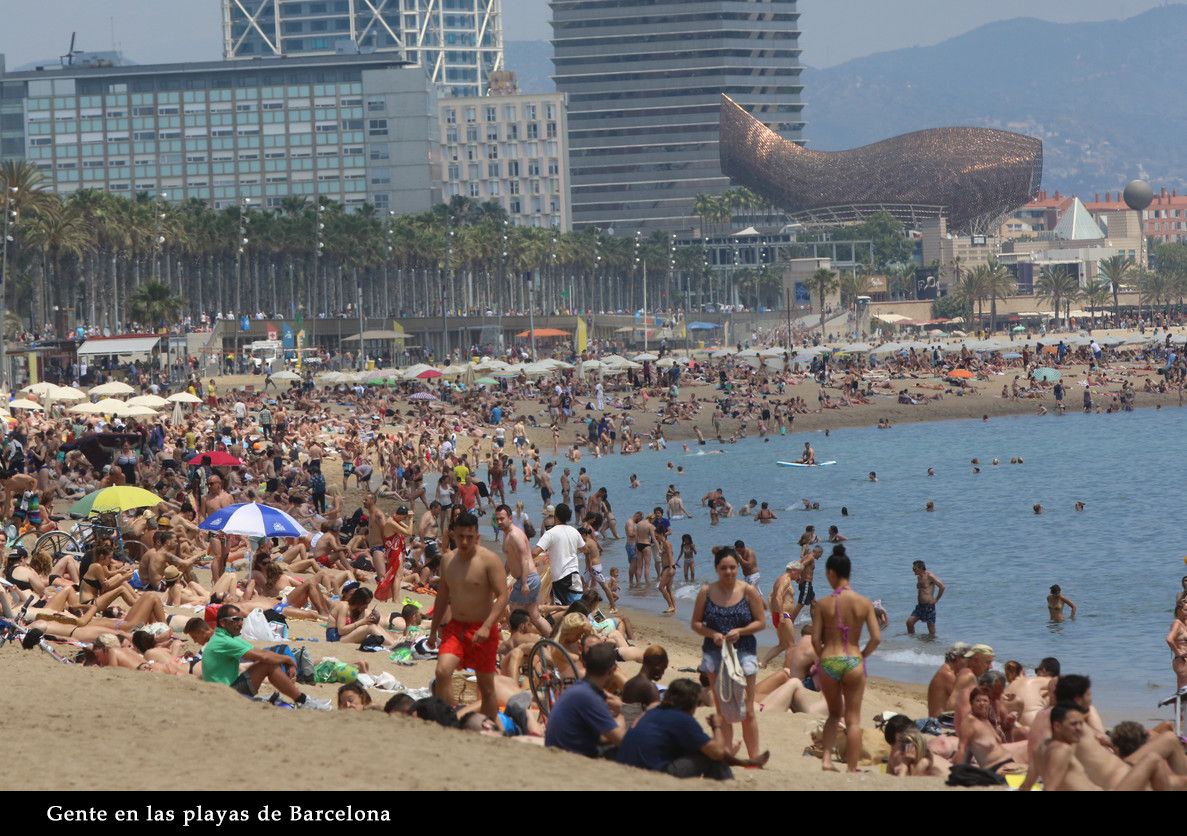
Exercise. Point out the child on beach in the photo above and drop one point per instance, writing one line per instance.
(688, 553)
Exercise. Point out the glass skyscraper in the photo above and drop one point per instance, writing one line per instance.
(458, 42)
(644, 80)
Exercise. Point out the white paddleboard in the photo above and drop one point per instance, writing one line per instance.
(801, 464)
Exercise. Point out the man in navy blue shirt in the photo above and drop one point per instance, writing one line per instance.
(669, 739)
(586, 719)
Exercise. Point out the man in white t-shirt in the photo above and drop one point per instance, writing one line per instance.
(563, 543)
(240, 413)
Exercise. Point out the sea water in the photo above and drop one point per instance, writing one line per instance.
(1120, 560)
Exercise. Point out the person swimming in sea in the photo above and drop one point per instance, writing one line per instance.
(1056, 602)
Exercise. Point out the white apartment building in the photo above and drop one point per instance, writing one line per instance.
(511, 149)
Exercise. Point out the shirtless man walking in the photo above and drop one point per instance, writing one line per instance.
(216, 499)
(930, 590)
(473, 591)
(632, 557)
(806, 595)
(781, 599)
(644, 530)
(525, 588)
(749, 563)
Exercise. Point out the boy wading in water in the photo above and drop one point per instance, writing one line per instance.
(473, 590)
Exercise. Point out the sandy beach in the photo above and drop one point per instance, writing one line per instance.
(197, 727)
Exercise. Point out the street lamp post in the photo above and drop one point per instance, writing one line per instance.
(160, 237)
(10, 219)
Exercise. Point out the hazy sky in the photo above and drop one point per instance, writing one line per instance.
(152, 31)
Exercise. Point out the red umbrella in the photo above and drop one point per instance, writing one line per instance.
(429, 374)
(217, 459)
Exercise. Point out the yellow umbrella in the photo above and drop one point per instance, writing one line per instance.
(115, 498)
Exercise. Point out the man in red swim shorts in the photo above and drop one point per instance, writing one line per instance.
(471, 596)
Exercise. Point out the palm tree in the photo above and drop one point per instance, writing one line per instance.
(154, 304)
(852, 285)
(1154, 287)
(1115, 270)
(1096, 295)
(58, 231)
(1056, 284)
(1000, 284)
(972, 290)
(825, 281)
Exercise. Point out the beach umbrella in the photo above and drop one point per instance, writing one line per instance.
(639, 358)
(486, 381)
(113, 387)
(69, 393)
(184, 397)
(423, 396)
(772, 352)
(665, 363)
(85, 409)
(25, 403)
(1013, 355)
(115, 498)
(151, 401)
(429, 374)
(217, 459)
(962, 374)
(1048, 375)
(40, 389)
(110, 405)
(1018, 329)
(250, 519)
(136, 411)
(286, 375)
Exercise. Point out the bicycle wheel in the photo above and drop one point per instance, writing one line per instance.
(550, 671)
(56, 545)
(27, 541)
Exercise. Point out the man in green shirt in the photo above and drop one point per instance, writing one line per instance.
(224, 650)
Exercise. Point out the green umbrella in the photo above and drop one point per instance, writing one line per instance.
(486, 381)
(1048, 375)
(1018, 328)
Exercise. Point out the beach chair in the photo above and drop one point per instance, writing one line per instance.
(550, 671)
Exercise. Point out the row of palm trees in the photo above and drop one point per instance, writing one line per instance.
(94, 252)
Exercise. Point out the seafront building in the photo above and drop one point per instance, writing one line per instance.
(459, 43)
(351, 128)
(644, 82)
(509, 148)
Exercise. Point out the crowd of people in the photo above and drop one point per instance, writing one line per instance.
(152, 590)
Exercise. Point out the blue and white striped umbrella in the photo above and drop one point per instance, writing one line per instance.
(250, 519)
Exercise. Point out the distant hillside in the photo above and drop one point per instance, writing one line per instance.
(532, 62)
(1107, 99)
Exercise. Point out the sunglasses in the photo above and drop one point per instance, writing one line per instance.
(233, 618)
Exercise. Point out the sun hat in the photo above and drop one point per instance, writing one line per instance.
(982, 649)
